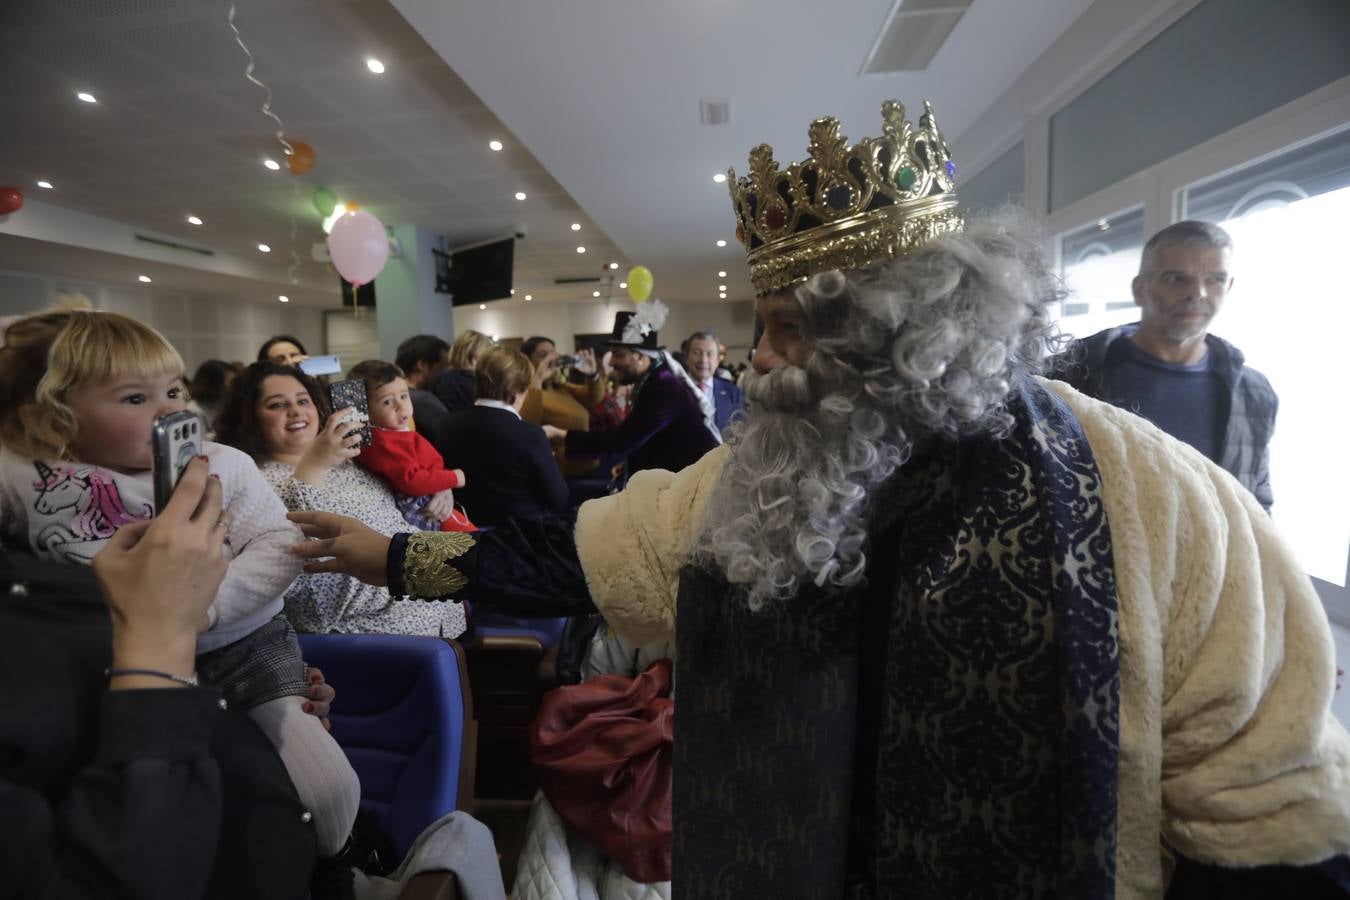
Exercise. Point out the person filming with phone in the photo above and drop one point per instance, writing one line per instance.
(558, 400)
(100, 775)
(279, 416)
(86, 396)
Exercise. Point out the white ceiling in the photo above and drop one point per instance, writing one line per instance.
(597, 102)
(607, 95)
(178, 130)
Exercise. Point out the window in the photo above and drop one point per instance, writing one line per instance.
(1097, 263)
(1289, 313)
(1000, 182)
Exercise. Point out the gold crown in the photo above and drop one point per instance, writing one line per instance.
(845, 207)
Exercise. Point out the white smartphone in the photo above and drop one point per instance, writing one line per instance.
(321, 365)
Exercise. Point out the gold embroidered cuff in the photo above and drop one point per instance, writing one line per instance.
(426, 563)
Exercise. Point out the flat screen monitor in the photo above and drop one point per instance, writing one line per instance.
(477, 274)
(362, 296)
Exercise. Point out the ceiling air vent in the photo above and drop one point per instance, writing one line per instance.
(913, 33)
(714, 112)
(174, 245)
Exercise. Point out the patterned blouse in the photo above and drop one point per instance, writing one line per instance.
(331, 602)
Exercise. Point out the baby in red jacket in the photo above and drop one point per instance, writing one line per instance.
(423, 486)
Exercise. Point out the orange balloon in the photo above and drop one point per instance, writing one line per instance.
(301, 158)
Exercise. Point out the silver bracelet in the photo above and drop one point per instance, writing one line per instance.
(190, 681)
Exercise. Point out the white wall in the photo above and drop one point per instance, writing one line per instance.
(1340, 705)
(200, 328)
(733, 322)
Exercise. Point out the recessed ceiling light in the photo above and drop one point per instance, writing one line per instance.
(87, 97)
(46, 185)
(613, 265)
(576, 226)
(721, 243)
(494, 145)
(513, 292)
(719, 178)
(264, 248)
(520, 195)
(529, 297)
(272, 164)
(623, 285)
(581, 249)
(143, 279)
(595, 293)
(722, 288)
(721, 274)
(283, 298)
(482, 306)
(193, 220)
(375, 65)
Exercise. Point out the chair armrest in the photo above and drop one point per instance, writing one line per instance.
(431, 886)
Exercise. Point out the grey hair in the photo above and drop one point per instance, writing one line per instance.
(916, 347)
(1188, 233)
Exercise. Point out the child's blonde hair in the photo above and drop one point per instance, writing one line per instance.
(48, 355)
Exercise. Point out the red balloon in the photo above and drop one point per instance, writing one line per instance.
(11, 198)
(301, 158)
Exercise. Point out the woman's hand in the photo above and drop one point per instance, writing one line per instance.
(353, 548)
(160, 578)
(546, 369)
(319, 696)
(554, 433)
(337, 441)
(440, 506)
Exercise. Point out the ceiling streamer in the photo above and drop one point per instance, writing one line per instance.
(281, 138)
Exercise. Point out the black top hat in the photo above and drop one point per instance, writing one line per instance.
(643, 343)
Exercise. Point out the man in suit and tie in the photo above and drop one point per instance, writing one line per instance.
(704, 354)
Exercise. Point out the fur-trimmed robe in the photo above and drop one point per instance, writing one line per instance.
(1228, 748)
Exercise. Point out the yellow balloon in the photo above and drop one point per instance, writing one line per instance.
(640, 283)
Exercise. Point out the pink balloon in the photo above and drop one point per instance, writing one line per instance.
(359, 247)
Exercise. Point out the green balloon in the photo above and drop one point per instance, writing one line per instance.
(325, 201)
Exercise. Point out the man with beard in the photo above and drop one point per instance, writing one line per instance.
(669, 424)
(946, 629)
(1170, 370)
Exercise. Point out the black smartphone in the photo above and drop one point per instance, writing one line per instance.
(351, 394)
(569, 362)
(175, 439)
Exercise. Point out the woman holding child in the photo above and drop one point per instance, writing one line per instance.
(279, 416)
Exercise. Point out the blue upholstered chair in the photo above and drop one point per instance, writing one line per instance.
(488, 623)
(404, 717)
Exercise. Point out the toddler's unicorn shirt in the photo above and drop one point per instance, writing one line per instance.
(66, 511)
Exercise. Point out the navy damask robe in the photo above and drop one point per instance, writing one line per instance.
(950, 728)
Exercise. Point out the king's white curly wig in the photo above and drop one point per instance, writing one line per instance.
(915, 347)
